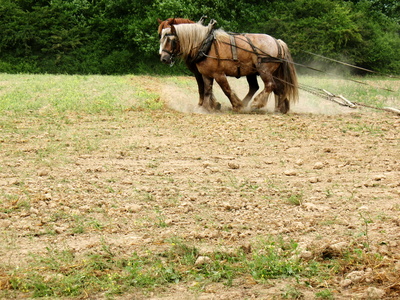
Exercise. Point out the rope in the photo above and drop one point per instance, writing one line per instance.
(339, 99)
(350, 65)
(302, 65)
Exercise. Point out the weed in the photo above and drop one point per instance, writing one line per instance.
(295, 199)
(290, 292)
(161, 221)
(366, 232)
(12, 203)
(328, 193)
(274, 259)
(181, 253)
(324, 294)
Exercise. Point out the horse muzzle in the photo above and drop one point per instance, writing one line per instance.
(167, 58)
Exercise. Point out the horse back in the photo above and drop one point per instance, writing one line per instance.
(265, 45)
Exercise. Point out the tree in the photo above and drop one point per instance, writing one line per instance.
(120, 36)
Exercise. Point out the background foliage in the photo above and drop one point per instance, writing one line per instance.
(120, 36)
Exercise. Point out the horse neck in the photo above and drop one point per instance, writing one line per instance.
(190, 38)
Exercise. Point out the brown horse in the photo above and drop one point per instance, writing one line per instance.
(235, 55)
(189, 63)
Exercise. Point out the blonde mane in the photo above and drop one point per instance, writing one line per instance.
(191, 36)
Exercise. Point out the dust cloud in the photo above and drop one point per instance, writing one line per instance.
(184, 98)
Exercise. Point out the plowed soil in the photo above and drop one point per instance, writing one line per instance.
(322, 175)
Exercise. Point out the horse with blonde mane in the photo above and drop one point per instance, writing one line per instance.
(234, 55)
(214, 104)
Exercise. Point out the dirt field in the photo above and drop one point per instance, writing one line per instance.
(324, 176)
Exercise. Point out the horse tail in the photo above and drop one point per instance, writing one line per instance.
(287, 75)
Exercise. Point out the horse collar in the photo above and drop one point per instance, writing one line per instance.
(204, 47)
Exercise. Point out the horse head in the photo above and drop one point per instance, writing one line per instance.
(169, 45)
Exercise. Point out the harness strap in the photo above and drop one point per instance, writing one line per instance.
(251, 44)
(233, 47)
(279, 48)
(204, 47)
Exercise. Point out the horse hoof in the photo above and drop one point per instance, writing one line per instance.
(284, 109)
(218, 106)
(256, 106)
(202, 110)
(237, 108)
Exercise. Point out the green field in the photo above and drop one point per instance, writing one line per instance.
(93, 94)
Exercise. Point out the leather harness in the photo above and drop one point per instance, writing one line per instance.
(262, 57)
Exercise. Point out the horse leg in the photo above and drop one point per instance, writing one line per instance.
(282, 104)
(253, 88)
(261, 100)
(208, 85)
(277, 99)
(237, 104)
(214, 104)
(213, 101)
(200, 86)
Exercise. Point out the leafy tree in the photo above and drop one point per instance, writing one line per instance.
(119, 36)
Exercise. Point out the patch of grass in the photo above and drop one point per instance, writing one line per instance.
(82, 224)
(12, 203)
(324, 294)
(291, 292)
(359, 127)
(275, 258)
(59, 273)
(49, 94)
(161, 220)
(295, 199)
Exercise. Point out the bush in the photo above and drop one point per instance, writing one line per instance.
(119, 36)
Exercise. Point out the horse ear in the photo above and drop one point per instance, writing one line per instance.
(171, 21)
(159, 21)
(173, 30)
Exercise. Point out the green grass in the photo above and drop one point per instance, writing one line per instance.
(59, 273)
(46, 94)
(295, 199)
(41, 109)
(63, 93)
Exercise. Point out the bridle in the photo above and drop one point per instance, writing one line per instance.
(174, 46)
